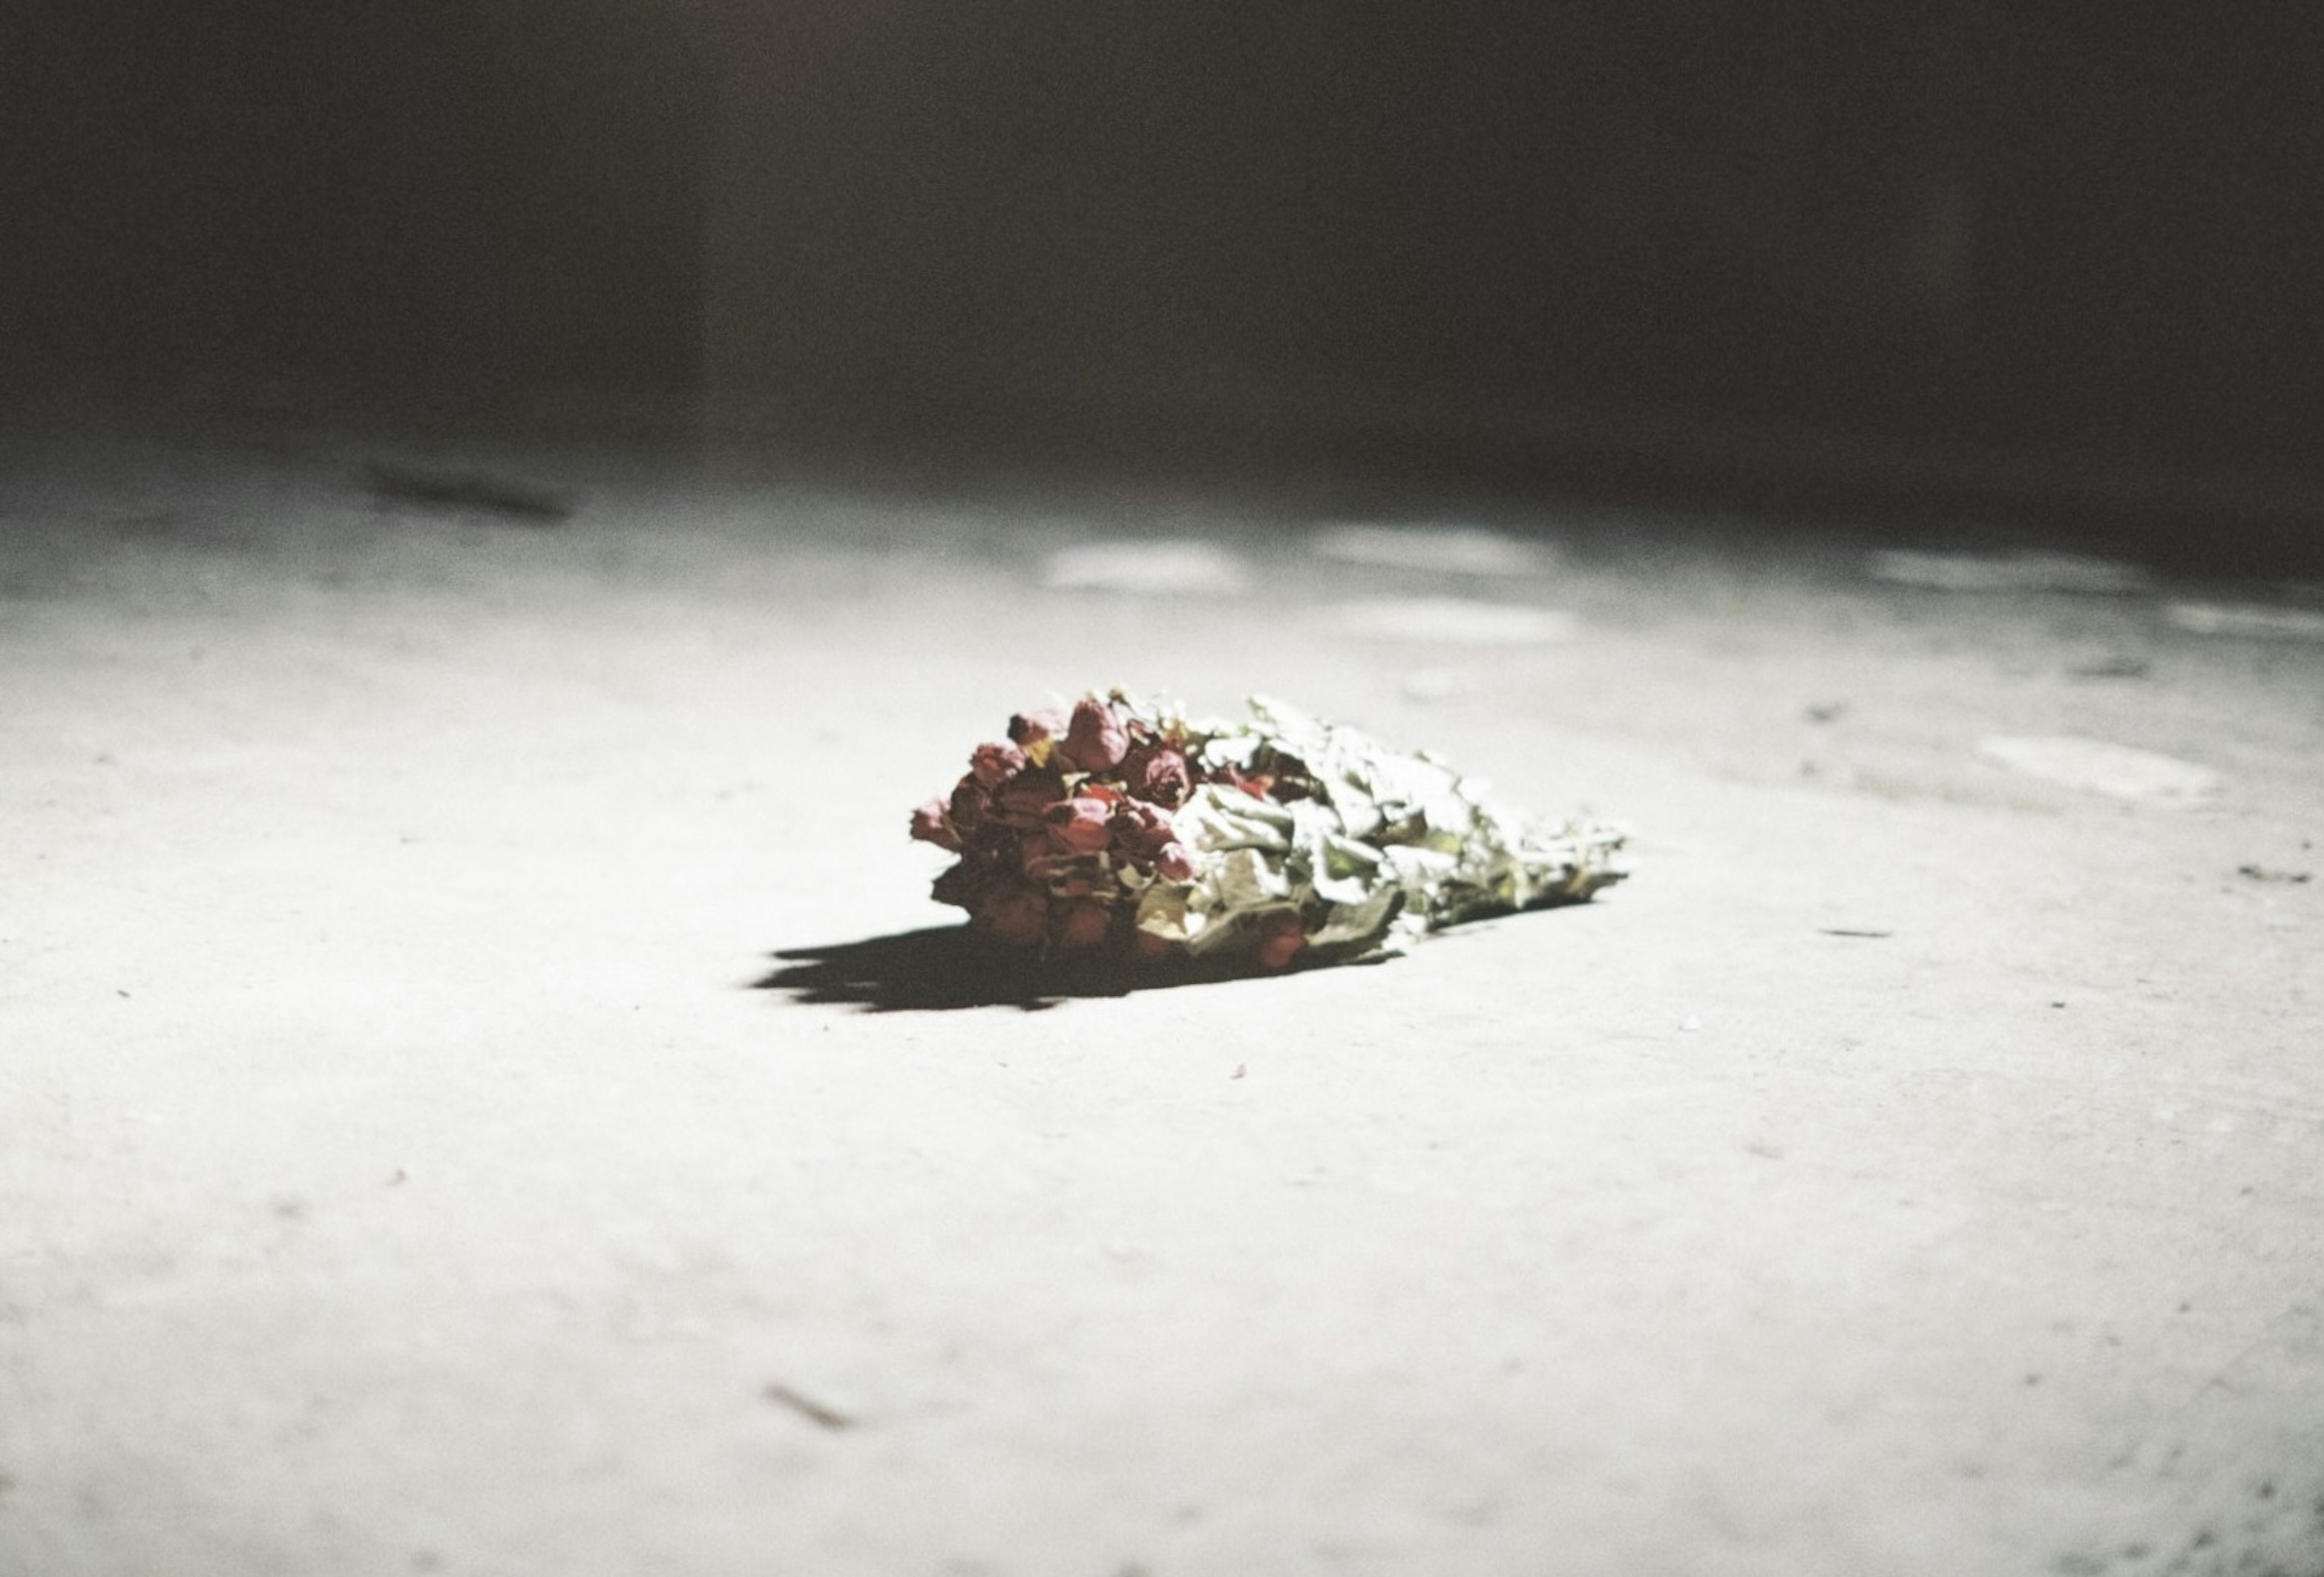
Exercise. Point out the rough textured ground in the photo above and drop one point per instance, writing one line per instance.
(400, 1174)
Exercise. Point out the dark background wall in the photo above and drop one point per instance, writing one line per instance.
(370, 193)
(2061, 256)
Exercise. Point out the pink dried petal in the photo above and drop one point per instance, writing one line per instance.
(1081, 824)
(1281, 937)
(1256, 784)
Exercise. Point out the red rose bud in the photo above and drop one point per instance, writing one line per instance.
(1280, 938)
(1027, 726)
(1095, 740)
(1016, 915)
(1084, 924)
(995, 764)
(1174, 863)
(930, 825)
(1080, 824)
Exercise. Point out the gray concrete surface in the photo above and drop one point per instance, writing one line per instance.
(400, 1174)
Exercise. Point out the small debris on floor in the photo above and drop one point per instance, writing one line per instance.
(2250, 622)
(1241, 1071)
(1825, 711)
(2006, 572)
(1186, 567)
(808, 1407)
(2264, 873)
(2119, 770)
(1453, 621)
(1845, 931)
(1445, 549)
(529, 501)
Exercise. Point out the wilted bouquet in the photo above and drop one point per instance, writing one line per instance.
(1124, 827)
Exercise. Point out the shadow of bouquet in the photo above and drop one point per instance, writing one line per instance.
(949, 967)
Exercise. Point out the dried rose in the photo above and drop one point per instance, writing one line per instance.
(1095, 740)
(931, 824)
(1156, 772)
(994, 764)
(1081, 824)
(1173, 862)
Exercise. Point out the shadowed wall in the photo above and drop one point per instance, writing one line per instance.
(1473, 228)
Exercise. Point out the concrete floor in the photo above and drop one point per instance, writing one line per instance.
(400, 1174)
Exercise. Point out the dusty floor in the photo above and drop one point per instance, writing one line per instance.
(1913, 1169)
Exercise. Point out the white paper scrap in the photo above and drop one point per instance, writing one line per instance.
(1453, 622)
(1446, 549)
(1169, 565)
(2096, 767)
(2262, 624)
